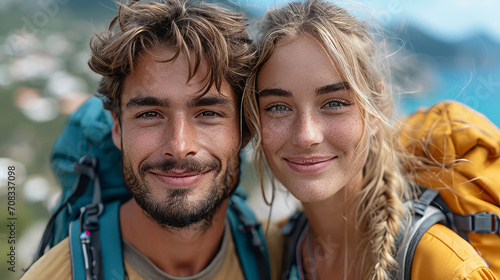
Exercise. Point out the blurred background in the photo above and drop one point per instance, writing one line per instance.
(449, 49)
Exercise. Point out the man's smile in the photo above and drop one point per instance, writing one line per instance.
(179, 178)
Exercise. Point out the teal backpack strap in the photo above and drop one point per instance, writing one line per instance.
(77, 263)
(111, 246)
(111, 242)
(249, 240)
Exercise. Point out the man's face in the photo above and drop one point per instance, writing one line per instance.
(179, 150)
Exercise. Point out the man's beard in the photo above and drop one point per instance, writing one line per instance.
(172, 208)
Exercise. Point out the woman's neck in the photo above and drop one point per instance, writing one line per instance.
(333, 233)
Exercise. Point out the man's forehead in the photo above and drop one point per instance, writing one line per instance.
(133, 89)
(159, 66)
(171, 60)
(143, 97)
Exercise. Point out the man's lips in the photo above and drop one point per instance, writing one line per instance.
(308, 165)
(179, 178)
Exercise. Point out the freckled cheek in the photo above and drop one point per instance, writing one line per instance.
(345, 134)
(275, 134)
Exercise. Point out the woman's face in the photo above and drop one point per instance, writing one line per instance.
(311, 125)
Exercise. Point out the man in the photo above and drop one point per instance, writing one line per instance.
(173, 77)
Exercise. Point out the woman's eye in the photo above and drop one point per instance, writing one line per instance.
(336, 104)
(277, 108)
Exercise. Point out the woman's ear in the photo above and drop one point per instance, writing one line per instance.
(116, 132)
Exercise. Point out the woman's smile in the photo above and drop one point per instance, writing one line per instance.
(308, 164)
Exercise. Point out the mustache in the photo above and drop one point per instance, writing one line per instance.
(190, 165)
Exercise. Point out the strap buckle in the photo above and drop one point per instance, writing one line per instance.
(486, 223)
(253, 229)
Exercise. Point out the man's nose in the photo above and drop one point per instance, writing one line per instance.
(181, 139)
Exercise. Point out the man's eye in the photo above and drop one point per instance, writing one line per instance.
(149, 115)
(209, 114)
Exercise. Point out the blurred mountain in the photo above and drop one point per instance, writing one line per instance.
(479, 50)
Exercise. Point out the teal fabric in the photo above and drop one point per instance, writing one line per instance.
(294, 273)
(87, 132)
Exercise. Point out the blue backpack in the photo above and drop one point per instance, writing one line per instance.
(87, 164)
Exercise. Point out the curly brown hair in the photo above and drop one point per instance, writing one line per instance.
(202, 31)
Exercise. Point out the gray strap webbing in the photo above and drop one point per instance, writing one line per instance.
(486, 223)
(425, 216)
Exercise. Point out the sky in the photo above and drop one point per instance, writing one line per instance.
(450, 20)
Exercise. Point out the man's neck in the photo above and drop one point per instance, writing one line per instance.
(179, 253)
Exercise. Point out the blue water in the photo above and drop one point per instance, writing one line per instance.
(478, 90)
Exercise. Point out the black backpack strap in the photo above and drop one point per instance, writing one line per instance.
(426, 214)
(292, 231)
(85, 167)
(88, 225)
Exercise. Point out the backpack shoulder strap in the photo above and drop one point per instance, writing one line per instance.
(425, 216)
(77, 258)
(249, 240)
(292, 231)
(110, 243)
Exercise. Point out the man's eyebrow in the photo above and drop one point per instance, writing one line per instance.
(209, 100)
(332, 88)
(146, 101)
(274, 92)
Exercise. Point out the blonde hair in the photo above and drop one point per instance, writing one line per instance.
(350, 46)
(201, 31)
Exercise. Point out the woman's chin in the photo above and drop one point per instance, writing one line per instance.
(312, 193)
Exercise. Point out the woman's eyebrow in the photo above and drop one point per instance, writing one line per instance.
(332, 88)
(274, 92)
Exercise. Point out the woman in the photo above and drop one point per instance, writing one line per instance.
(319, 111)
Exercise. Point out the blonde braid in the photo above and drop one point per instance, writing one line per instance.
(381, 212)
(385, 227)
